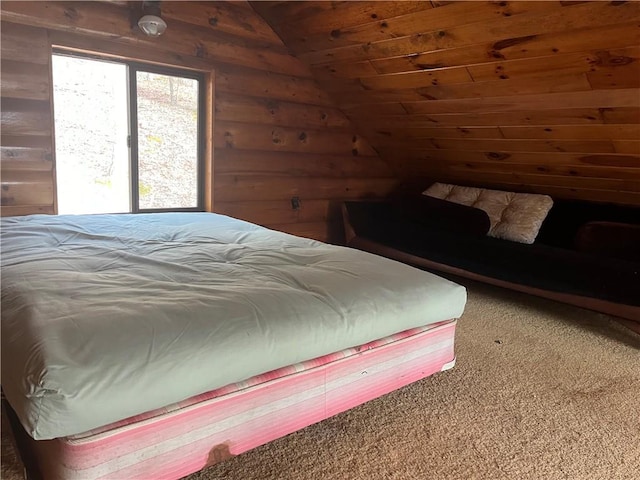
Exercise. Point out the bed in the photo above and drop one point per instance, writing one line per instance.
(152, 345)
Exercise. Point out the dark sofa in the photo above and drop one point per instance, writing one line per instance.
(585, 254)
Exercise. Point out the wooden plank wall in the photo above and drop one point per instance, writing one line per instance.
(531, 96)
(276, 133)
(26, 144)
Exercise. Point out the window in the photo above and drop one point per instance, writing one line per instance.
(128, 136)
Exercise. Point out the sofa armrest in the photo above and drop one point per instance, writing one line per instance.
(609, 239)
(349, 232)
(366, 217)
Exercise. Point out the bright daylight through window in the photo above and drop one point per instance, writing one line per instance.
(127, 137)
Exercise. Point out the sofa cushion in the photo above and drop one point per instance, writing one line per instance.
(514, 216)
(441, 214)
(609, 239)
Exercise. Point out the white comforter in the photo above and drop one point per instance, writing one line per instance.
(109, 316)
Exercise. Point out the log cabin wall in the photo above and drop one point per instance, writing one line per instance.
(530, 96)
(26, 143)
(276, 134)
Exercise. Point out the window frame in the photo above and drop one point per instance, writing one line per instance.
(132, 68)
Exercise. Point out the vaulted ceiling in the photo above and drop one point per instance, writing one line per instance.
(537, 96)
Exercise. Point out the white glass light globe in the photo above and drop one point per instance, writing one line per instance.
(152, 25)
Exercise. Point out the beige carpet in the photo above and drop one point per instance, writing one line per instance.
(541, 390)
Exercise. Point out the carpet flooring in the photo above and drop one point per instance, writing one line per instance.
(541, 390)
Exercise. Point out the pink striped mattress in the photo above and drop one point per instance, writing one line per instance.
(185, 437)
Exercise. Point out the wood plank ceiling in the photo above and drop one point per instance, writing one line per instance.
(534, 96)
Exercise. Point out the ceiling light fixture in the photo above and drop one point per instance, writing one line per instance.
(151, 23)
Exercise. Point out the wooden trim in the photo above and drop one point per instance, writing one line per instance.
(54, 171)
(87, 44)
(209, 135)
(628, 312)
(633, 326)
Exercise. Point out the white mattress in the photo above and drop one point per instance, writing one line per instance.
(109, 316)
